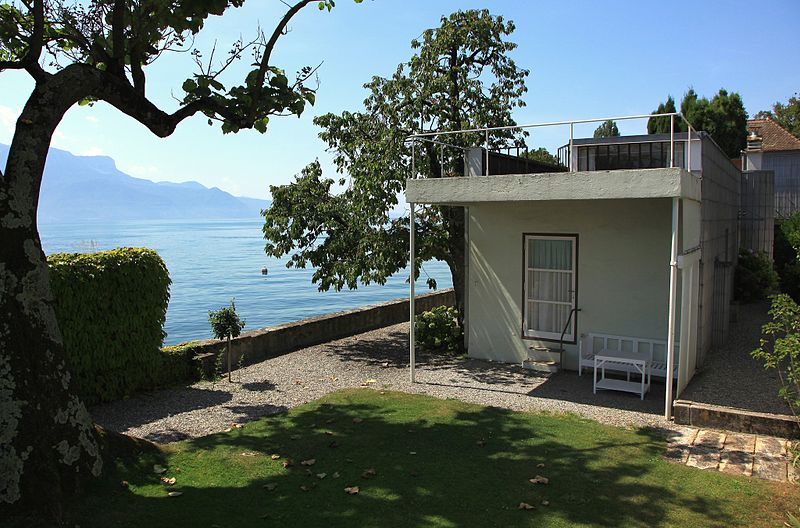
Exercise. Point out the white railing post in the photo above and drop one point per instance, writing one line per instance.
(671, 141)
(486, 146)
(673, 295)
(412, 343)
(571, 131)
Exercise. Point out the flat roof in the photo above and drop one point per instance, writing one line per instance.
(642, 138)
(584, 185)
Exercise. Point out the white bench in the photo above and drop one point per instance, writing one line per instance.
(652, 350)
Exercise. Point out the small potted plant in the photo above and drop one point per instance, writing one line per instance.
(225, 323)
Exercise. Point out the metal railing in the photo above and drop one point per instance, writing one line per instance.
(435, 137)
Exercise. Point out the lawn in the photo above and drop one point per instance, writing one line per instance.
(420, 461)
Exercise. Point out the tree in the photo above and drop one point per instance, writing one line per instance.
(460, 77)
(606, 129)
(543, 155)
(226, 324)
(723, 117)
(785, 114)
(79, 52)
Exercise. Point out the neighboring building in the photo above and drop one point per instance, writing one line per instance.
(771, 148)
(605, 249)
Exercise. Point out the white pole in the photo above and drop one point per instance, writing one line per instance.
(673, 297)
(672, 141)
(486, 146)
(571, 131)
(411, 309)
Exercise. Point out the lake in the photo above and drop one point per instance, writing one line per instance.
(211, 262)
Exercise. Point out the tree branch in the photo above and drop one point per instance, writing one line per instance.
(279, 29)
(117, 64)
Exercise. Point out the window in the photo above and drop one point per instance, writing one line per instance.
(550, 286)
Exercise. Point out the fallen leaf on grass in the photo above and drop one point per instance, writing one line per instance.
(369, 473)
(321, 475)
(538, 479)
(335, 475)
(352, 490)
(287, 463)
(124, 484)
(305, 488)
(168, 481)
(329, 433)
(357, 420)
(412, 452)
(269, 487)
(545, 503)
(174, 494)
(236, 425)
(525, 506)
(309, 462)
(540, 465)
(275, 456)
(249, 454)
(158, 470)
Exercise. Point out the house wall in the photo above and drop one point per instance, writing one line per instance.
(786, 166)
(721, 186)
(623, 270)
(757, 211)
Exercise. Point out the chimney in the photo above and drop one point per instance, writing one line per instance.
(753, 141)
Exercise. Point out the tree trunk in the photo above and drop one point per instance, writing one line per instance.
(454, 223)
(47, 440)
(229, 358)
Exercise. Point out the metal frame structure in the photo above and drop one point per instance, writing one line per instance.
(673, 263)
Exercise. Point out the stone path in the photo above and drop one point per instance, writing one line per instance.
(763, 457)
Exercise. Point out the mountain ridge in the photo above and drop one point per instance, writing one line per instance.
(92, 188)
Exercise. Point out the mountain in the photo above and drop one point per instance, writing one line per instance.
(77, 188)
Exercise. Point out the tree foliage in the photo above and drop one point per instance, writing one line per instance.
(543, 155)
(785, 114)
(723, 117)
(606, 129)
(460, 76)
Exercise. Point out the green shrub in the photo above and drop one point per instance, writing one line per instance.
(178, 365)
(754, 278)
(111, 308)
(787, 240)
(438, 329)
(780, 348)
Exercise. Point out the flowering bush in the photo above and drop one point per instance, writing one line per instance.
(438, 329)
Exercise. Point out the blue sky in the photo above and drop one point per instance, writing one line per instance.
(587, 59)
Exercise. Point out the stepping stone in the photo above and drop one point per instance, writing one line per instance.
(703, 458)
(709, 439)
(682, 436)
(770, 446)
(734, 462)
(677, 453)
(769, 468)
(740, 442)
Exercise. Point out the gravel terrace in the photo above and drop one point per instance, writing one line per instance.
(378, 359)
(731, 377)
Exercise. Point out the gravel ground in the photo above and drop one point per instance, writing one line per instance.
(731, 377)
(277, 384)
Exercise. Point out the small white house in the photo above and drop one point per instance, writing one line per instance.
(627, 254)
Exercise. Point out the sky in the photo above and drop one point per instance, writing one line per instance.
(587, 59)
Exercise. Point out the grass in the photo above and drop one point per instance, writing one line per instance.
(439, 463)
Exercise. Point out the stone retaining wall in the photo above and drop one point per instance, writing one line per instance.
(273, 341)
(729, 419)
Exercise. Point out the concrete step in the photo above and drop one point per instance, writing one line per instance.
(541, 366)
(544, 354)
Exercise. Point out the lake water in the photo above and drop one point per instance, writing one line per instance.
(211, 262)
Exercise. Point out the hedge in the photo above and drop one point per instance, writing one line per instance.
(111, 307)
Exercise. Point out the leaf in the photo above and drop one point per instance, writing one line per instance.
(335, 474)
(538, 479)
(321, 475)
(525, 506)
(357, 420)
(158, 470)
(369, 473)
(174, 494)
(545, 503)
(125, 484)
(309, 462)
(540, 465)
(275, 456)
(169, 481)
(305, 488)
(352, 490)
(270, 487)
(287, 463)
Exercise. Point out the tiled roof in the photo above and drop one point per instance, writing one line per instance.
(773, 136)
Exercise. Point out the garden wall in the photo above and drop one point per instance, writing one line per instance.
(273, 341)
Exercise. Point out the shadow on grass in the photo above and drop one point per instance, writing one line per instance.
(438, 463)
